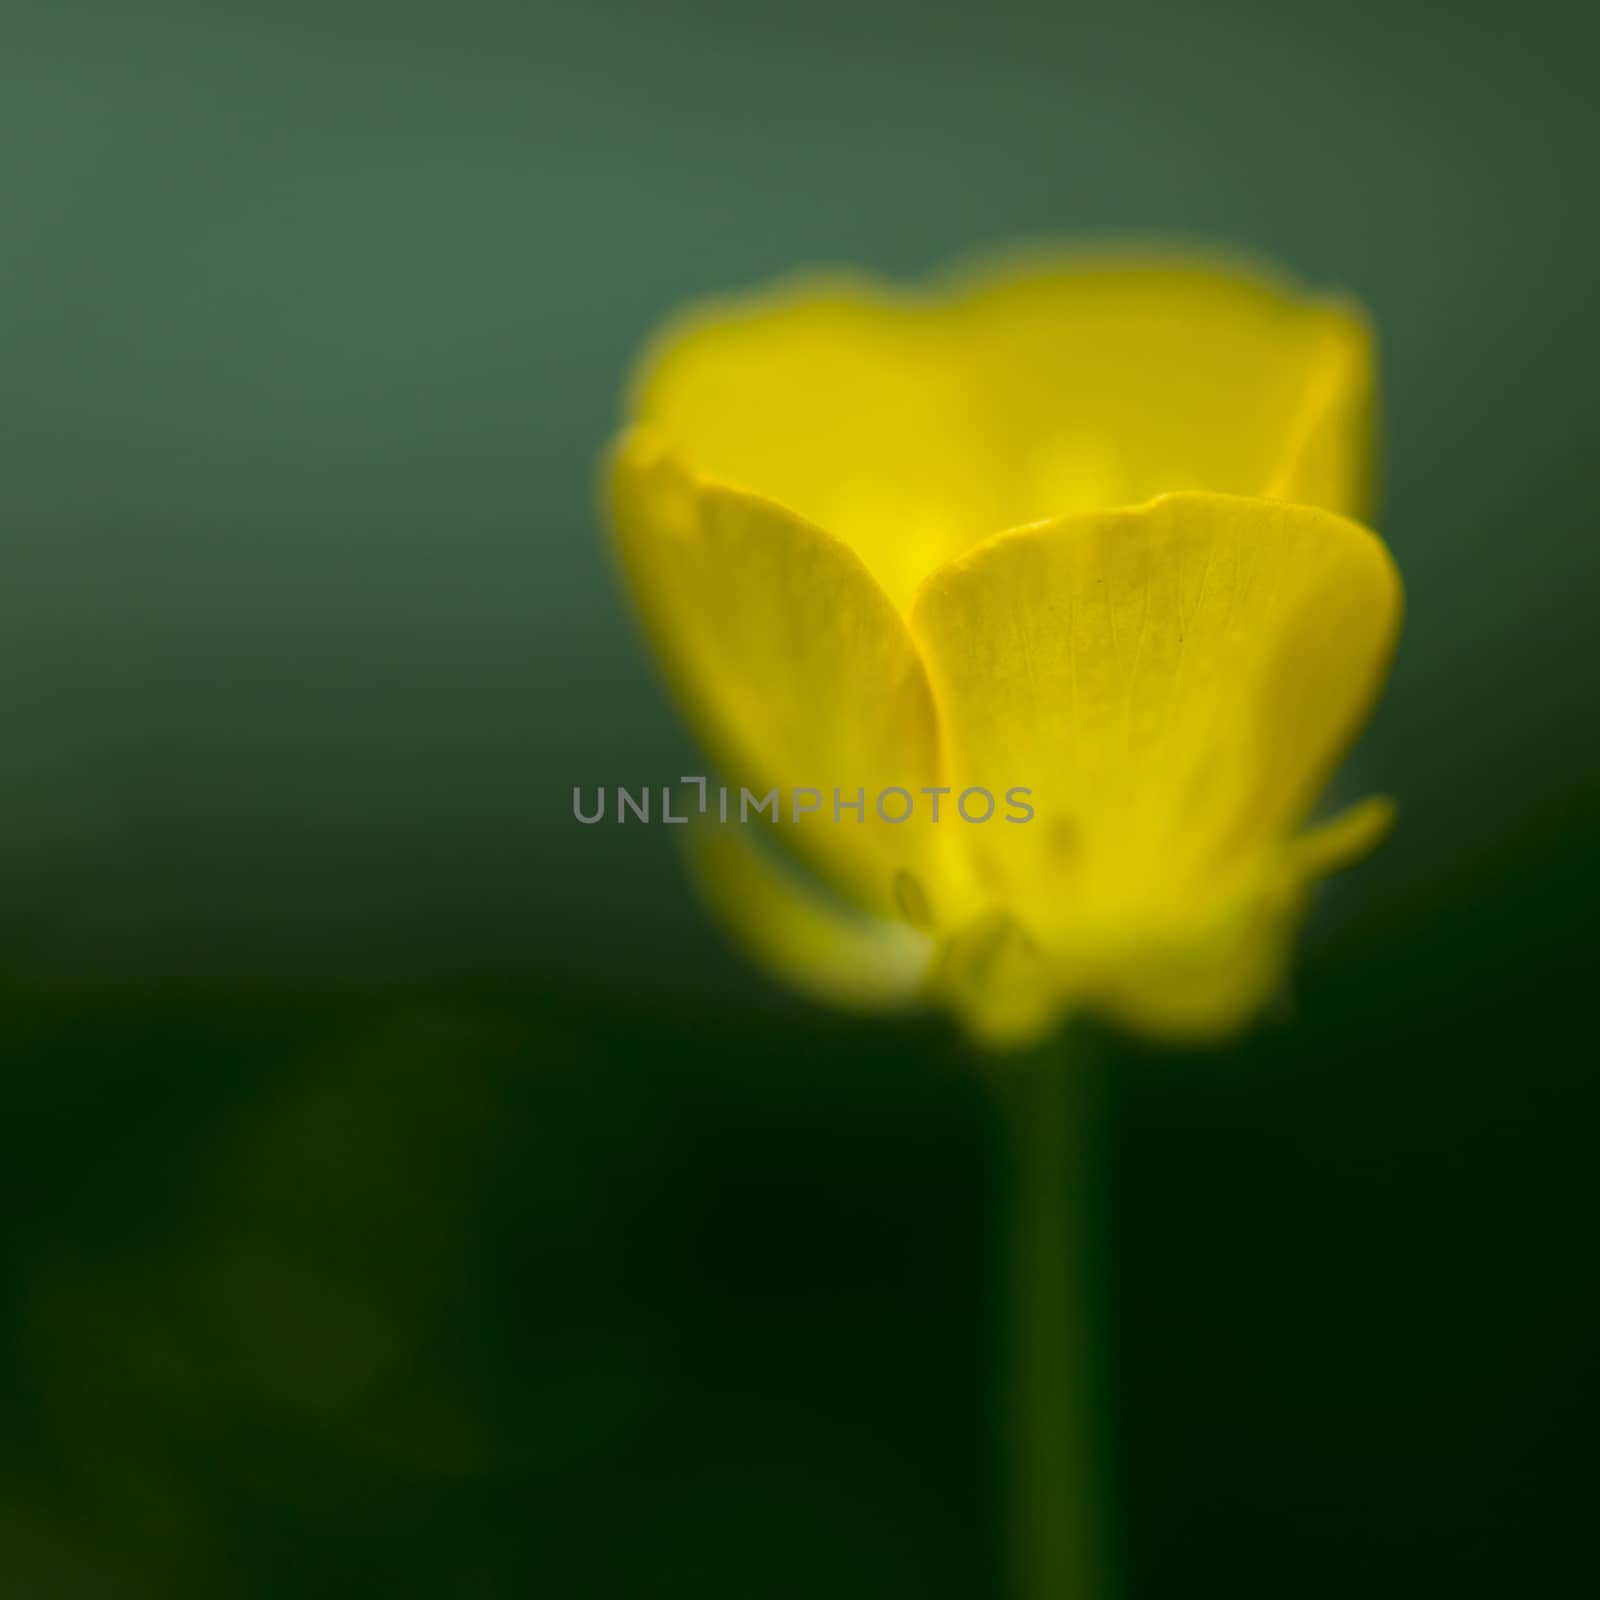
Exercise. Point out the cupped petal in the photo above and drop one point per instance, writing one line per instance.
(1174, 682)
(913, 425)
(800, 934)
(796, 670)
(1107, 378)
(843, 399)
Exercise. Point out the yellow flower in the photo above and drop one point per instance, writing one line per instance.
(1084, 526)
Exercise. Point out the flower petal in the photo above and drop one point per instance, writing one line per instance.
(801, 935)
(1174, 682)
(793, 665)
(914, 425)
(1107, 379)
(842, 399)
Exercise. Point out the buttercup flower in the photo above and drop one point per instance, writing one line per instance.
(1085, 526)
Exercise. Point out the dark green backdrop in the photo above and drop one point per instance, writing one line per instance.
(401, 1184)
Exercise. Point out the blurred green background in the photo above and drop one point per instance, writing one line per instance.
(402, 1185)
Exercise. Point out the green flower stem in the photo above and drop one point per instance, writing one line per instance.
(1058, 1491)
